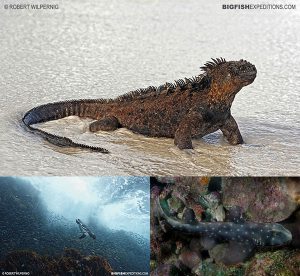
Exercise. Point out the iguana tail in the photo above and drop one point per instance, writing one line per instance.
(58, 110)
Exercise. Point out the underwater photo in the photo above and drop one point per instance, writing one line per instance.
(225, 226)
(74, 225)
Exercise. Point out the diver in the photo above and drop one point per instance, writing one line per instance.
(84, 230)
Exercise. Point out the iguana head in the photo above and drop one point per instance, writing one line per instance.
(241, 72)
(228, 77)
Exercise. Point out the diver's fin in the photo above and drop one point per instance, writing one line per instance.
(82, 236)
(92, 235)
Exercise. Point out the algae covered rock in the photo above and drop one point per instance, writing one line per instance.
(190, 259)
(265, 199)
(281, 262)
(230, 253)
(70, 263)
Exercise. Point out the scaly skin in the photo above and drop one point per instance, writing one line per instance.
(188, 108)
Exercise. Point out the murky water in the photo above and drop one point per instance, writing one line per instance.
(104, 49)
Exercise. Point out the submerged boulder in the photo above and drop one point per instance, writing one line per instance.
(263, 199)
(70, 263)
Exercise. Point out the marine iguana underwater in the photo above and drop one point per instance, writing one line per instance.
(84, 230)
(242, 236)
(188, 108)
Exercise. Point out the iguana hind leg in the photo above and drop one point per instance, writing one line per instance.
(106, 124)
(231, 131)
(183, 134)
(183, 138)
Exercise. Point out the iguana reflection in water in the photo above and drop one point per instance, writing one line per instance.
(84, 230)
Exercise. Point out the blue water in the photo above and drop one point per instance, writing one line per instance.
(39, 214)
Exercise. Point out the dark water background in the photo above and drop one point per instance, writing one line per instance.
(26, 223)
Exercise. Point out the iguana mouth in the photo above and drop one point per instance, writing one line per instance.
(248, 76)
(249, 73)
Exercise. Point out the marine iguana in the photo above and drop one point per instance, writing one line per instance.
(187, 108)
(84, 230)
(250, 234)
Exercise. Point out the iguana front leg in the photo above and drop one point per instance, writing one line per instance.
(231, 131)
(183, 134)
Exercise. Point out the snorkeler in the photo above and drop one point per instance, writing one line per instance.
(85, 230)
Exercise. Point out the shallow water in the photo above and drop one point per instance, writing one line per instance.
(104, 49)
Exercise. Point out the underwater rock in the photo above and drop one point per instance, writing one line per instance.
(231, 253)
(263, 199)
(281, 262)
(207, 243)
(185, 188)
(277, 263)
(211, 203)
(155, 190)
(176, 205)
(195, 245)
(70, 263)
(188, 216)
(190, 259)
(293, 187)
(166, 179)
(25, 260)
(198, 211)
(217, 213)
(210, 200)
(189, 188)
(235, 214)
(293, 225)
(165, 251)
(165, 270)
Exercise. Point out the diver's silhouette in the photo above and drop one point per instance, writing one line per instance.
(85, 230)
